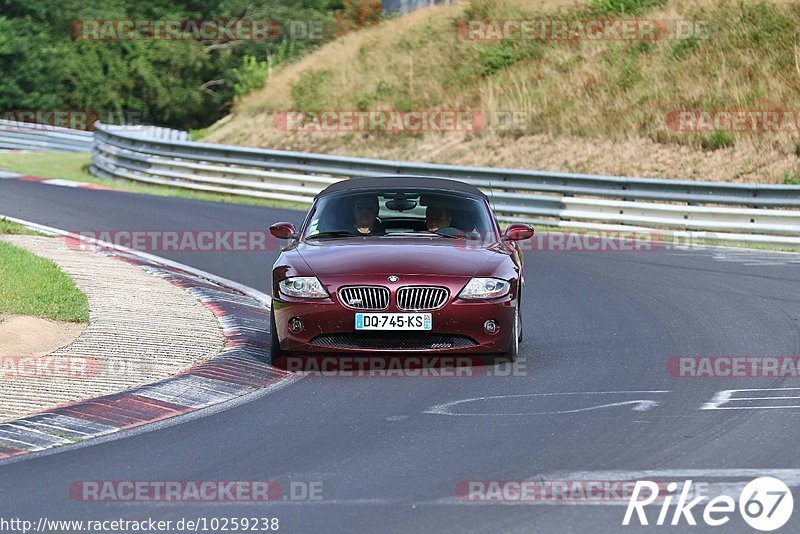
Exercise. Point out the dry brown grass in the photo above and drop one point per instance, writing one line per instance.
(592, 107)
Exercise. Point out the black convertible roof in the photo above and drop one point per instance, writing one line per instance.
(401, 182)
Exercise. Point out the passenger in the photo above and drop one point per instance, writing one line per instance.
(365, 216)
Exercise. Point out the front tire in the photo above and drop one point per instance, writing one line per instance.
(275, 351)
(513, 348)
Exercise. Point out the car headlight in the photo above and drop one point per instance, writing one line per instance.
(485, 288)
(307, 287)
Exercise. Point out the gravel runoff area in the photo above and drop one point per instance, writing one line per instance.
(141, 329)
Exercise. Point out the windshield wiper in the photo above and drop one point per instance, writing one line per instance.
(333, 235)
(448, 234)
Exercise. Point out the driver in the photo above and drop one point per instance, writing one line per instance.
(437, 217)
(365, 215)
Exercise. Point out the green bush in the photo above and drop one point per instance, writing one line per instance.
(308, 93)
(198, 134)
(182, 83)
(791, 177)
(504, 54)
(717, 141)
(251, 75)
(624, 7)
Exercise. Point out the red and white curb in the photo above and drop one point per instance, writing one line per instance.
(240, 368)
(53, 181)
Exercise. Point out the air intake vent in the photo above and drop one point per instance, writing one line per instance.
(421, 297)
(365, 297)
(393, 341)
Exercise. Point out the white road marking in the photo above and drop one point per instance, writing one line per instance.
(31, 439)
(791, 476)
(707, 482)
(639, 405)
(192, 391)
(62, 183)
(727, 396)
(744, 256)
(66, 425)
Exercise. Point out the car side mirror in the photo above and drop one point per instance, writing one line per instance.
(518, 232)
(282, 230)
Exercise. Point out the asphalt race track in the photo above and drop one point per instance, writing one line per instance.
(594, 399)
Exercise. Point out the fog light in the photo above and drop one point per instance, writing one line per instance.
(295, 325)
(490, 326)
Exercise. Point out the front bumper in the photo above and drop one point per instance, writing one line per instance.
(458, 327)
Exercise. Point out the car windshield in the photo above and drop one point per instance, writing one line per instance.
(400, 212)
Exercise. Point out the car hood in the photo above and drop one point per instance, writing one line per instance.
(395, 255)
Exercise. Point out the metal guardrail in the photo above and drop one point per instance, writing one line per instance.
(728, 212)
(686, 209)
(24, 136)
(156, 155)
(407, 6)
(149, 131)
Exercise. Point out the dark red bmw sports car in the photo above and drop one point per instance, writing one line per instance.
(398, 264)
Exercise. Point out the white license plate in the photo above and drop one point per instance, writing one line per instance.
(393, 321)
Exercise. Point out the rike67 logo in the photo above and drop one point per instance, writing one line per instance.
(765, 504)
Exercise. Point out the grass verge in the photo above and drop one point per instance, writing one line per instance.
(31, 285)
(12, 228)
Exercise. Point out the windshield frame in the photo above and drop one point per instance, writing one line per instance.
(490, 235)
